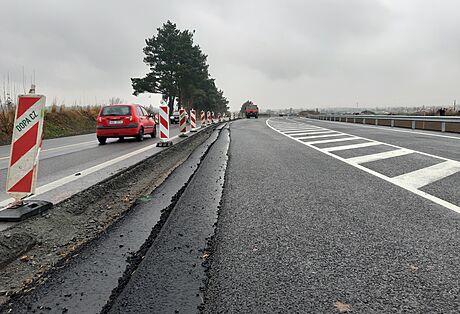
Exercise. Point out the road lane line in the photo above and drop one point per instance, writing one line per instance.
(420, 178)
(345, 147)
(351, 138)
(388, 128)
(60, 182)
(60, 147)
(300, 130)
(380, 156)
(305, 133)
(387, 144)
(411, 189)
(322, 132)
(321, 136)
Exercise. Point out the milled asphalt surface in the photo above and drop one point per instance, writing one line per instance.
(170, 279)
(85, 284)
(299, 231)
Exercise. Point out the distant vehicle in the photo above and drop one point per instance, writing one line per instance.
(281, 114)
(174, 118)
(251, 111)
(124, 120)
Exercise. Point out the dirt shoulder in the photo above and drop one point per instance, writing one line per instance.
(32, 248)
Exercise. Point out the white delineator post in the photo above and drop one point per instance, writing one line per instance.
(203, 119)
(182, 123)
(164, 127)
(192, 120)
(25, 147)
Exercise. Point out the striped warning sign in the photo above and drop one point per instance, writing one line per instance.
(164, 123)
(26, 144)
(203, 119)
(192, 120)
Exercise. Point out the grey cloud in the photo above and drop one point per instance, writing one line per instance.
(318, 52)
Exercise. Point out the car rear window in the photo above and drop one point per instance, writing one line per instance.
(116, 111)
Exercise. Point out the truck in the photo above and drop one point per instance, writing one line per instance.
(251, 110)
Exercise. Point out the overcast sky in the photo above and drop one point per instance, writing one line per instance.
(290, 53)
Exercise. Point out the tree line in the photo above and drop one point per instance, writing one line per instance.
(179, 71)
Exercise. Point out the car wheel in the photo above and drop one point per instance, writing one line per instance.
(102, 140)
(140, 136)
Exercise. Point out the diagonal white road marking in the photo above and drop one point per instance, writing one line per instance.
(425, 176)
(380, 156)
(401, 183)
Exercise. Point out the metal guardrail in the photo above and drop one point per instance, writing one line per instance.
(416, 122)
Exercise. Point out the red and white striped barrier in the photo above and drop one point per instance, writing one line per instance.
(164, 127)
(182, 122)
(218, 117)
(224, 116)
(25, 147)
(203, 119)
(213, 118)
(192, 120)
(209, 118)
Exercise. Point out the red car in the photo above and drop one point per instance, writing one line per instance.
(120, 121)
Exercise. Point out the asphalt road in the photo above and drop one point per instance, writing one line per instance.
(314, 217)
(71, 164)
(301, 231)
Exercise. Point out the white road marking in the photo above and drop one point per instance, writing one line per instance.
(301, 130)
(425, 176)
(315, 132)
(380, 156)
(60, 147)
(345, 147)
(400, 184)
(351, 138)
(321, 136)
(387, 128)
(59, 183)
(305, 133)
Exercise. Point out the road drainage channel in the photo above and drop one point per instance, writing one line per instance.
(87, 281)
(171, 276)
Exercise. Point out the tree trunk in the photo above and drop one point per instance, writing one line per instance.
(171, 105)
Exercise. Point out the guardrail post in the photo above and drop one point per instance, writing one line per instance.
(413, 125)
(364, 120)
(443, 127)
(354, 120)
(392, 123)
(346, 119)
